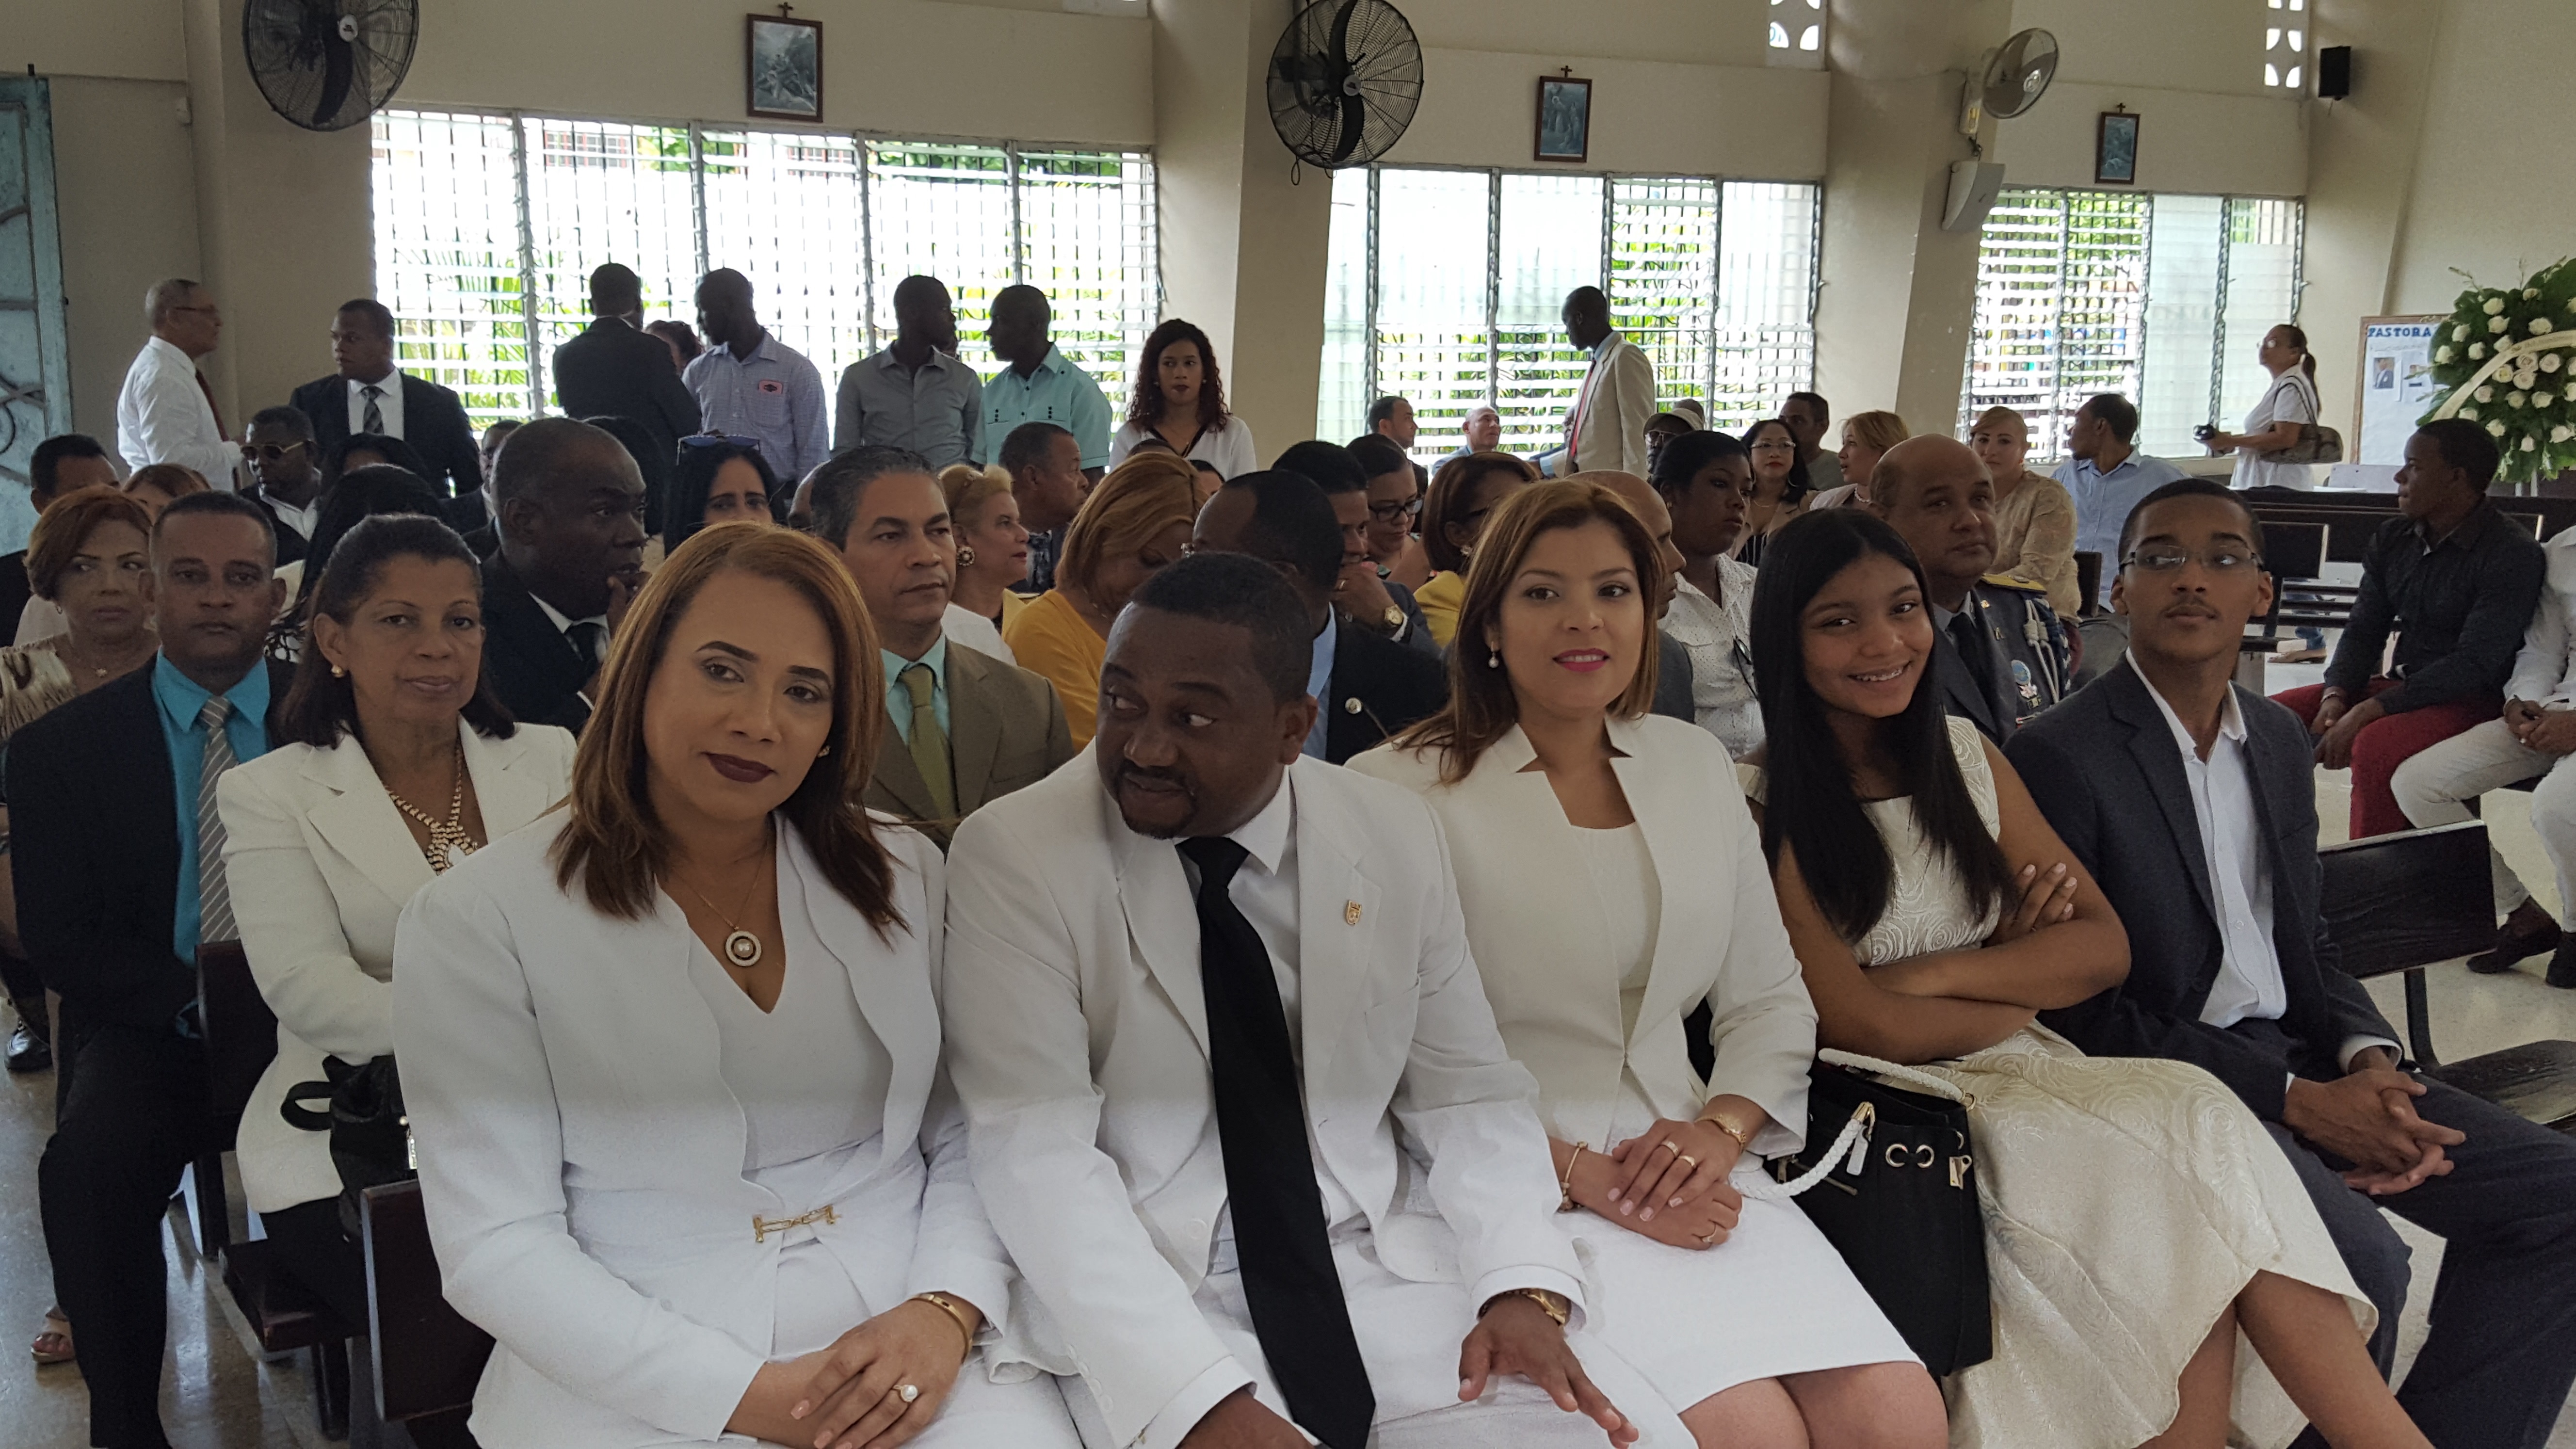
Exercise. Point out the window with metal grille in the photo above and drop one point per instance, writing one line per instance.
(2161, 299)
(1448, 287)
(488, 226)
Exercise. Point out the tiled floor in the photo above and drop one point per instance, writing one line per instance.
(219, 1396)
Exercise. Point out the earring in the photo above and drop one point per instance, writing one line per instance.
(965, 557)
(1493, 659)
(818, 754)
(338, 673)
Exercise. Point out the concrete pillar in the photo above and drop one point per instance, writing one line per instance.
(1243, 248)
(284, 224)
(1899, 294)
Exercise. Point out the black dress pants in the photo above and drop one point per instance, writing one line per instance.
(129, 1123)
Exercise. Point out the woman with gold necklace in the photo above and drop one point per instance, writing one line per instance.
(400, 764)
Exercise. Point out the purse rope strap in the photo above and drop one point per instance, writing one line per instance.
(1851, 1146)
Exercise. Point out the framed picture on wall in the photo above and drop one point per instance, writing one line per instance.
(1564, 118)
(784, 68)
(2115, 149)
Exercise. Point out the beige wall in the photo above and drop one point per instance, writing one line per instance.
(124, 182)
(1568, 32)
(2205, 142)
(1480, 108)
(2494, 187)
(135, 39)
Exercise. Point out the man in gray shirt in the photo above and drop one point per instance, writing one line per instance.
(915, 394)
(749, 384)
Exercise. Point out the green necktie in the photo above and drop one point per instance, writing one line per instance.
(929, 743)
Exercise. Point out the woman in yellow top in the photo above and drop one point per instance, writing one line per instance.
(1462, 493)
(1137, 520)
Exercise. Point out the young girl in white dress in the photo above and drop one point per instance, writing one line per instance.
(2137, 1215)
(1612, 883)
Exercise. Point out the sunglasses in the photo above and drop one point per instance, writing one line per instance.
(275, 452)
(720, 440)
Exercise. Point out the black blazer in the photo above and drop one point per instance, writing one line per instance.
(434, 423)
(15, 589)
(1673, 680)
(1990, 711)
(291, 546)
(534, 669)
(94, 846)
(614, 369)
(2107, 773)
(1378, 687)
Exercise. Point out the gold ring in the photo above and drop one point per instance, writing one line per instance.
(1686, 1157)
(1667, 1146)
(907, 1392)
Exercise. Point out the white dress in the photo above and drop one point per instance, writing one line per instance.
(1226, 447)
(2128, 1201)
(1774, 1298)
(2291, 398)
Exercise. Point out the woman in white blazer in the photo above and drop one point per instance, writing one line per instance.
(400, 764)
(672, 1058)
(1610, 886)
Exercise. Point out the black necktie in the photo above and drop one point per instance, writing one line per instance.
(1279, 1238)
(1975, 650)
(587, 635)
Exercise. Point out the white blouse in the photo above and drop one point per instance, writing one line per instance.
(2290, 399)
(1622, 872)
(1227, 447)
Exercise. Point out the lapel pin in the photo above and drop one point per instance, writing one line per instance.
(1350, 913)
(1351, 705)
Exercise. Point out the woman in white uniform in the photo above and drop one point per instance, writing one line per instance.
(671, 1057)
(2288, 403)
(1612, 883)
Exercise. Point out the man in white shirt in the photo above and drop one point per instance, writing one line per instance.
(2107, 476)
(1606, 429)
(1239, 1107)
(166, 413)
(2191, 802)
(2534, 738)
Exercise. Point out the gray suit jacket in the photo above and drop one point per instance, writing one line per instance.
(2106, 771)
(1006, 729)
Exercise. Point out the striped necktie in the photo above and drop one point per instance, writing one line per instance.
(374, 421)
(929, 743)
(214, 898)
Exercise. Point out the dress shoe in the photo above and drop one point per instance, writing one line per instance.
(28, 1049)
(2526, 933)
(2562, 967)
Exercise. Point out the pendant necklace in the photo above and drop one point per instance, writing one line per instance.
(448, 841)
(742, 949)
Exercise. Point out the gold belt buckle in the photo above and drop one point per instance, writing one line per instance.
(762, 1227)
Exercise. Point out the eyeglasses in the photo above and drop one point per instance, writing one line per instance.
(2165, 558)
(1390, 512)
(275, 452)
(720, 440)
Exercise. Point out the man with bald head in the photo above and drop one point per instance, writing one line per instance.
(1037, 385)
(914, 394)
(1998, 651)
(569, 506)
(751, 385)
(1672, 660)
(165, 413)
(1606, 428)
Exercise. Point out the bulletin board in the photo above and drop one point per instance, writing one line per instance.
(2396, 384)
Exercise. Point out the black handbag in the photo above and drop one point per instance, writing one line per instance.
(1889, 1177)
(370, 1134)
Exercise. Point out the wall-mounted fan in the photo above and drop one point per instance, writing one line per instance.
(2015, 76)
(326, 65)
(1344, 82)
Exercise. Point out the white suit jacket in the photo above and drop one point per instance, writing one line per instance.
(1078, 1037)
(1719, 938)
(320, 865)
(1608, 423)
(2545, 671)
(581, 1157)
(162, 416)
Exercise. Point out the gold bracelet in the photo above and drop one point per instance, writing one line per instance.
(1565, 1184)
(1743, 1139)
(1554, 1306)
(956, 1315)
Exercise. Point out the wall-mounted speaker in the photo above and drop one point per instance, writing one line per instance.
(1974, 186)
(2334, 72)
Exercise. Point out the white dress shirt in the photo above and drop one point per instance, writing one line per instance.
(388, 404)
(163, 416)
(2545, 671)
(1718, 634)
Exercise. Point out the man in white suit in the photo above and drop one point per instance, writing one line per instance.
(1211, 1011)
(1606, 431)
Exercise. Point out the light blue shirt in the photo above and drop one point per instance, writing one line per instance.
(2103, 501)
(774, 395)
(180, 698)
(1319, 683)
(899, 698)
(1056, 392)
(931, 409)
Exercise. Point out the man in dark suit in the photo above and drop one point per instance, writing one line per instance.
(967, 728)
(1368, 686)
(616, 369)
(571, 557)
(2192, 802)
(286, 477)
(1934, 492)
(368, 394)
(119, 861)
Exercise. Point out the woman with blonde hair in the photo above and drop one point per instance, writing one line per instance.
(770, 1233)
(1866, 437)
(1612, 884)
(992, 547)
(2034, 514)
(1463, 493)
(1136, 521)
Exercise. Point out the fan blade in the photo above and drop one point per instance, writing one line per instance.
(1354, 127)
(1339, 47)
(338, 68)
